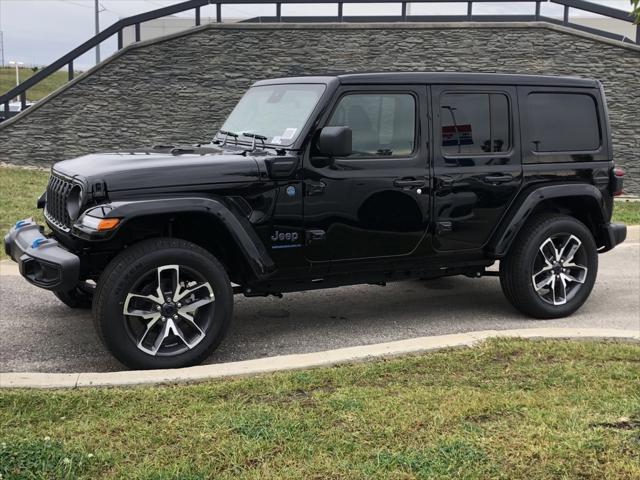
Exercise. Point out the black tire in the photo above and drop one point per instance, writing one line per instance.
(128, 278)
(81, 297)
(525, 258)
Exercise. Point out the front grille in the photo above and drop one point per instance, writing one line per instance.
(58, 190)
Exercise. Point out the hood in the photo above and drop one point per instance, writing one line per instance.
(149, 169)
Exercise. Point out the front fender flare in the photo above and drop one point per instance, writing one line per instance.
(520, 212)
(238, 226)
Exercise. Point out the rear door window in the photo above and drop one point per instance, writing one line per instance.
(474, 124)
(562, 122)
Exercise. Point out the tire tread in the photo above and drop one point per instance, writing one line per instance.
(516, 286)
(119, 269)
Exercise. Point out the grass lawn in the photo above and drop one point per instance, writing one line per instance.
(626, 212)
(42, 89)
(20, 188)
(510, 409)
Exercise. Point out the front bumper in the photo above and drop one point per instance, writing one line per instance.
(42, 261)
(614, 234)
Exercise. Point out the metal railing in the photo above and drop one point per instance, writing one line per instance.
(20, 91)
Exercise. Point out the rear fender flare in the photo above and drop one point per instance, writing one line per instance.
(521, 211)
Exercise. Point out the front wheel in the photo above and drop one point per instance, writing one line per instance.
(551, 268)
(163, 303)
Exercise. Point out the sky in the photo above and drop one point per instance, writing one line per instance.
(37, 32)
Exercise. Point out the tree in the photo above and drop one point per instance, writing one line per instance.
(636, 9)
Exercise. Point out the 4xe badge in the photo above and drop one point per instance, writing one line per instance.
(285, 239)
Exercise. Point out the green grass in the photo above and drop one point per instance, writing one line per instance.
(509, 409)
(626, 212)
(19, 189)
(42, 89)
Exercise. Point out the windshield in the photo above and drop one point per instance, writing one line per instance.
(277, 112)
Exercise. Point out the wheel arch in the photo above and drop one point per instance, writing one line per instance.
(211, 223)
(581, 201)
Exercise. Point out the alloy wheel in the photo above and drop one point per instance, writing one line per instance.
(559, 269)
(169, 310)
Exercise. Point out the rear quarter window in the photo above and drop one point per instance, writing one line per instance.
(562, 122)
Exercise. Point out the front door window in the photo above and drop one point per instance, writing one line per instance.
(382, 124)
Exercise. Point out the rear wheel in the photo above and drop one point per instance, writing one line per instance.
(164, 303)
(551, 268)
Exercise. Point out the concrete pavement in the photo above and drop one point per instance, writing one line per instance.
(42, 335)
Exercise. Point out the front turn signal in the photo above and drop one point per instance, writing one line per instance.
(107, 224)
(98, 224)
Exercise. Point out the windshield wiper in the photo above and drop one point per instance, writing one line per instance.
(228, 134)
(254, 137)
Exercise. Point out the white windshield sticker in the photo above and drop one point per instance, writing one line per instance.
(276, 140)
(289, 133)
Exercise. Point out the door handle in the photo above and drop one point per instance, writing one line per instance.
(498, 178)
(445, 181)
(314, 188)
(408, 183)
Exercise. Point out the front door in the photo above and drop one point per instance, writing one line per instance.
(477, 162)
(375, 202)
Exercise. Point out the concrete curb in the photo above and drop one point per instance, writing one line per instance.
(299, 361)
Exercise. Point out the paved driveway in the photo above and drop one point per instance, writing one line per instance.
(41, 334)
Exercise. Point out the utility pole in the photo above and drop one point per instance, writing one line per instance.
(97, 14)
(1, 38)
(1, 49)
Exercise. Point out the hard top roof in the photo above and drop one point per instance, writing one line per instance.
(438, 78)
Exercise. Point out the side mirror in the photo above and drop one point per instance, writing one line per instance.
(335, 141)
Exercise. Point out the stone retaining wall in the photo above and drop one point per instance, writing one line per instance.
(180, 88)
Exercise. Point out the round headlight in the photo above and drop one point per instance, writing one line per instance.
(74, 202)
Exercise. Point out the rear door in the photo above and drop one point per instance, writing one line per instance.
(477, 162)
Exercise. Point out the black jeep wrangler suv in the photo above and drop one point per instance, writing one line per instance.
(318, 182)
